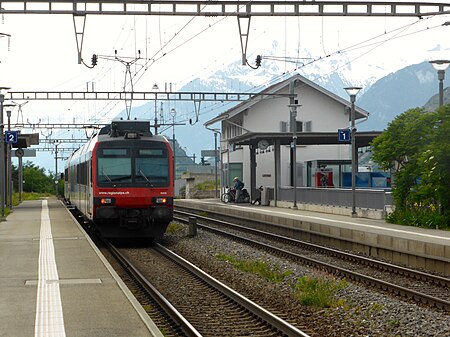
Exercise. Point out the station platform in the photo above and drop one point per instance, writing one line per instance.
(55, 282)
(428, 249)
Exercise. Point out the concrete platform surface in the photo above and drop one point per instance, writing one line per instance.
(55, 282)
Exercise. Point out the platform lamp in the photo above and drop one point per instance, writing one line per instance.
(3, 92)
(216, 157)
(352, 92)
(441, 66)
(155, 88)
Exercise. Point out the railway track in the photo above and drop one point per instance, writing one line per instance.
(204, 306)
(415, 285)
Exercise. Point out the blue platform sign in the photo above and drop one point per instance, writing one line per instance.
(344, 135)
(11, 137)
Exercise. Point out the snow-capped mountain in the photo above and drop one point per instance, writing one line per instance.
(384, 94)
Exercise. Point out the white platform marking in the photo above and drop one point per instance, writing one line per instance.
(49, 314)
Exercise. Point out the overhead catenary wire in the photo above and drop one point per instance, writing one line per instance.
(151, 61)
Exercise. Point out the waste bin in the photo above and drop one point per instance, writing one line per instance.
(265, 197)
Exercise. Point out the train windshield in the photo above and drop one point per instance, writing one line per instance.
(133, 166)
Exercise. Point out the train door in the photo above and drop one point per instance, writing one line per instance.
(89, 188)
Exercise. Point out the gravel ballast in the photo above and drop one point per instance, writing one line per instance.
(361, 311)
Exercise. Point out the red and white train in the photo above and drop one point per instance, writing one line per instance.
(122, 180)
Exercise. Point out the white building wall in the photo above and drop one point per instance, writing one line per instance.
(325, 114)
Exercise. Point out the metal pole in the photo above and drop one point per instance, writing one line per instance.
(20, 179)
(2, 156)
(155, 87)
(9, 168)
(441, 76)
(353, 143)
(293, 105)
(215, 160)
(294, 154)
(174, 113)
(156, 117)
(174, 151)
(56, 168)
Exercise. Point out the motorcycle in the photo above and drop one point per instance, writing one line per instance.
(230, 196)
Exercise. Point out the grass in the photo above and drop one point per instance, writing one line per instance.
(174, 228)
(318, 291)
(29, 196)
(207, 185)
(25, 196)
(261, 268)
(148, 307)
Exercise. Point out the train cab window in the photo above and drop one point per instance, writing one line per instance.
(152, 166)
(114, 166)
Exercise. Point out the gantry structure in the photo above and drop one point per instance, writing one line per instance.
(242, 10)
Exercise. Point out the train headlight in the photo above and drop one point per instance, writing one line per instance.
(166, 201)
(105, 201)
(161, 200)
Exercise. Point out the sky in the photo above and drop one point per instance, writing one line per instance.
(41, 54)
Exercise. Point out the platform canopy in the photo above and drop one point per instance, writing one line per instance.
(363, 139)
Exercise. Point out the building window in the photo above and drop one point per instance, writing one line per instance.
(283, 126)
(308, 126)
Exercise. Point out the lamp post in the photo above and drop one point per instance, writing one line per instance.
(155, 87)
(215, 163)
(3, 92)
(441, 66)
(216, 132)
(173, 112)
(352, 92)
(293, 108)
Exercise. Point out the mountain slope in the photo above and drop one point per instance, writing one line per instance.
(407, 88)
(391, 95)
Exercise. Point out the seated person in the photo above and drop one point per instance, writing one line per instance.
(238, 186)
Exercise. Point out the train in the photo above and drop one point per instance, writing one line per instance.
(122, 181)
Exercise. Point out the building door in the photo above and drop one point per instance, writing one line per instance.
(234, 170)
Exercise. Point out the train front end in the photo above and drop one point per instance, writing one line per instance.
(132, 176)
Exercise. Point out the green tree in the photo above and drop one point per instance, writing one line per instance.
(416, 145)
(36, 179)
(435, 164)
(400, 146)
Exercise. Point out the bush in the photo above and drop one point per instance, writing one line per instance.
(208, 185)
(419, 218)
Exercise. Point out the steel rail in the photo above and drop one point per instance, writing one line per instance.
(270, 318)
(419, 275)
(159, 298)
(408, 293)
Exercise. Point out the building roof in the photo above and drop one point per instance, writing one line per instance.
(274, 89)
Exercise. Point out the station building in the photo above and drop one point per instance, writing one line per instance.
(257, 137)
